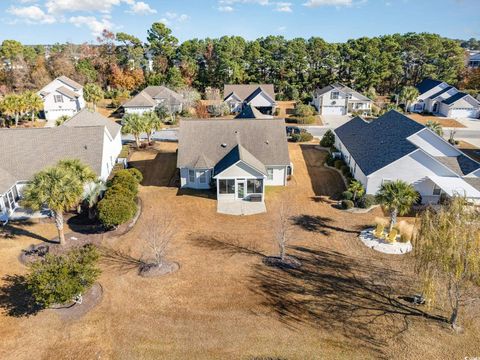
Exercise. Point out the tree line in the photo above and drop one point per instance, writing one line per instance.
(122, 62)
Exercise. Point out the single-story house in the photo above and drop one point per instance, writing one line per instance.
(260, 96)
(238, 158)
(153, 97)
(62, 97)
(88, 136)
(440, 98)
(394, 147)
(338, 99)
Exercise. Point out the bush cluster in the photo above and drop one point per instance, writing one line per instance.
(347, 204)
(347, 195)
(366, 201)
(304, 136)
(328, 140)
(330, 160)
(118, 206)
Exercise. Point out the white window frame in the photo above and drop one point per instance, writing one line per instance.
(58, 98)
(202, 176)
(269, 173)
(334, 95)
(191, 175)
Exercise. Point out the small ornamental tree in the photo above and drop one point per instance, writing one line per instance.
(357, 189)
(127, 179)
(447, 255)
(93, 94)
(328, 140)
(303, 110)
(60, 279)
(135, 125)
(435, 127)
(116, 210)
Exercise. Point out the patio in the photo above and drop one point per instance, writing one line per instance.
(240, 207)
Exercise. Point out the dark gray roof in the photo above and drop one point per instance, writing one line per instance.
(473, 181)
(461, 165)
(427, 84)
(236, 154)
(251, 112)
(265, 140)
(377, 144)
(243, 91)
(454, 98)
(27, 151)
(86, 117)
(70, 82)
(441, 92)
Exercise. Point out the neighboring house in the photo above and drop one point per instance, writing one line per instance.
(474, 59)
(251, 112)
(238, 158)
(439, 98)
(338, 99)
(260, 96)
(153, 97)
(62, 97)
(87, 136)
(394, 147)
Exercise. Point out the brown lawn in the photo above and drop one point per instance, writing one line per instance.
(286, 108)
(422, 119)
(224, 303)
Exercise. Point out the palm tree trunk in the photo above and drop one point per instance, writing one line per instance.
(33, 116)
(59, 224)
(393, 218)
(137, 141)
(16, 119)
(94, 106)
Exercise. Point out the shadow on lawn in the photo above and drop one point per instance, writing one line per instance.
(339, 294)
(16, 299)
(14, 229)
(319, 224)
(119, 260)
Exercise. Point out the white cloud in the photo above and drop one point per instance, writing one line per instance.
(141, 8)
(31, 14)
(63, 6)
(174, 17)
(318, 3)
(95, 25)
(283, 7)
(226, 9)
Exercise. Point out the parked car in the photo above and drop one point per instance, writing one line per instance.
(293, 130)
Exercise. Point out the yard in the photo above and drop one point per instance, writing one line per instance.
(224, 302)
(444, 122)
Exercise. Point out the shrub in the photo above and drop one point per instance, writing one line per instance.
(338, 164)
(347, 204)
(136, 174)
(347, 195)
(115, 210)
(118, 190)
(366, 201)
(328, 140)
(302, 137)
(60, 278)
(302, 110)
(330, 160)
(125, 178)
(345, 170)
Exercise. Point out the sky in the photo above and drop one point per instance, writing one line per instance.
(79, 21)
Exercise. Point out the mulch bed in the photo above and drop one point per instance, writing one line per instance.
(151, 270)
(75, 311)
(289, 262)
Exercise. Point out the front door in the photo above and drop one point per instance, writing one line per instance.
(240, 189)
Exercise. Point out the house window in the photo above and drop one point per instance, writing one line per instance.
(202, 175)
(254, 186)
(58, 98)
(436, 190)
(226, 186)
(349, 96)
(191, 176)
(269, 173)
(334, 95)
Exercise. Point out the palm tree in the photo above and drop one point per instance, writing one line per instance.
(435, 127)
(397, 197)
(152, 124)
(408, 95)
(33, 103)
(93, 94)
(356, 188)
(12, 105)
(56, 188)
(92, 195)
(79, 170)
(133, 124)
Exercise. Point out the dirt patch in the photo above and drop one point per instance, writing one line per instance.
(75, 311)
(423, 119)
(286, 108)
(153, 270)
(289, 262)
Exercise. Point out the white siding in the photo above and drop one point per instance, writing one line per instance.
(279, 176)
(69, 107)
(261, 101)
(111, 150)
(433, 144)
(138, 110)
(196, 184)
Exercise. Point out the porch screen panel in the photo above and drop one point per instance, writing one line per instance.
(254, 186)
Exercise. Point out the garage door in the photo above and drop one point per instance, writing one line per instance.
(464, 113)
(333, 110)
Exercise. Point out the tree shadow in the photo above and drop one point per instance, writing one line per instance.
(226, 245)
(159, 171)
(119, 260)
(338, 293)
(319, 224)
(205, 194)
(16, 299)
(14, 229)
(80, 223)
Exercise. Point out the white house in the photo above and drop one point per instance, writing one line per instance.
(338, 99)
(62, 97)
(237, 157)
(439, 98)
(153, 97)
(474, 59)
(394, 147)
(260, 96)
(87, 136)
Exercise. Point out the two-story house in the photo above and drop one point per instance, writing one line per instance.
(62, 97)
(259, 96)
(338, 99)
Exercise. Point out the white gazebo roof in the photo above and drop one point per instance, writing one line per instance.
(454, 186)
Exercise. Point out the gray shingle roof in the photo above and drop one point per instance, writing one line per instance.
(86, 117)
(265, 140)
(70, 82)
(243, 91)
(426, 85)
(236, 154)
(454, 98)
(251, 112)
(461, 165)
(67, 92)
(343, 88)
(377, 144)
(441, 92)
(146, 98)
(27, 151)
